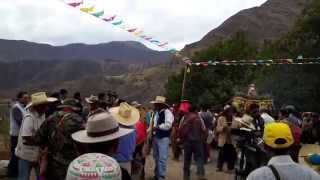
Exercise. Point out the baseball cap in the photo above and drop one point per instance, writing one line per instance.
(278, 135)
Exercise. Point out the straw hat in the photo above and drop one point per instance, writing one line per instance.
(92, 99)
(245, 123)
(160, 100)
(125, 114)
(101, 127)
(304, 153)
(94, 166)
(40, 98)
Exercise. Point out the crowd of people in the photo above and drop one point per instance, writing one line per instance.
(104, 137)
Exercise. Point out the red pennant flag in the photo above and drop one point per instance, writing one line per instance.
(110, 19)
(132, 30)
(75, 4)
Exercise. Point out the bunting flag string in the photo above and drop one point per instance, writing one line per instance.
(116, 21)
(139, 33)
(265, 62)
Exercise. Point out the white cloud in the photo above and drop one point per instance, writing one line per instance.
(177, 21)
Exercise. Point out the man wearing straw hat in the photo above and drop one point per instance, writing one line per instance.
(27, 152)
(162, 125)
(127, 116)
(55, 135)
(102, 135)
(278, 139)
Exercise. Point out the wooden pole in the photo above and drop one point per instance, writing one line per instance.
(184, 82)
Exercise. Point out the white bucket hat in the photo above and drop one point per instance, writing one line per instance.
(125, 114)
(101, 127)
(94, 166)
(92, 99)
(40, 98)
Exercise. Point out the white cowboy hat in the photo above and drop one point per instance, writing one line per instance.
(101, 127)
(40, 98)
(94, 166)
(92, 99)
(160, 100)
(125, 114)
(135, 104)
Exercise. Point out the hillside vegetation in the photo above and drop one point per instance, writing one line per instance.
(286, 84)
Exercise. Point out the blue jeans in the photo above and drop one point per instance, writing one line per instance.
(25, 169)
(160, 154)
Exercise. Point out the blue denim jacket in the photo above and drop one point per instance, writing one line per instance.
(126, 147)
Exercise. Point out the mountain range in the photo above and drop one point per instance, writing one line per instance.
(127, 52)
(26, 64)
(129, 67)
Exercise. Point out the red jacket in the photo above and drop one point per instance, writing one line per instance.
(141, 129)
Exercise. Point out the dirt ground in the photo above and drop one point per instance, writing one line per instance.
(174, 171)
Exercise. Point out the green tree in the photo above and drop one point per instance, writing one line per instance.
(286, 84)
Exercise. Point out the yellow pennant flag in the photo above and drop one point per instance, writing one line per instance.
(87, 10)
(188, 70)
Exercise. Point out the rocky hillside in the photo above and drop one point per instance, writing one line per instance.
(27, 64)
(268, 22)
(129, 52)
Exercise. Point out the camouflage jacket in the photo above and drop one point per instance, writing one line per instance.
(55, 134)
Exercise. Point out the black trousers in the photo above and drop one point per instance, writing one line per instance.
(139, 161)
(227, 153)
(193, 148)
(13, 163)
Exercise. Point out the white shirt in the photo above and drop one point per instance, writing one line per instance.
(287, 169)
(31, 123)
(169, 118)
(267, 118)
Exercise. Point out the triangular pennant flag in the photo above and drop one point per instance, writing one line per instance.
(110, 19)
(155, 41)
(161, 45)
(188, 70)
(300, 57)
(75, 4)
(138, 33)
(117, 23)
(98, 14)
(132, 30)
(87, 10)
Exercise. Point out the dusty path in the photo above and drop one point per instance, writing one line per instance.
(174, 170)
